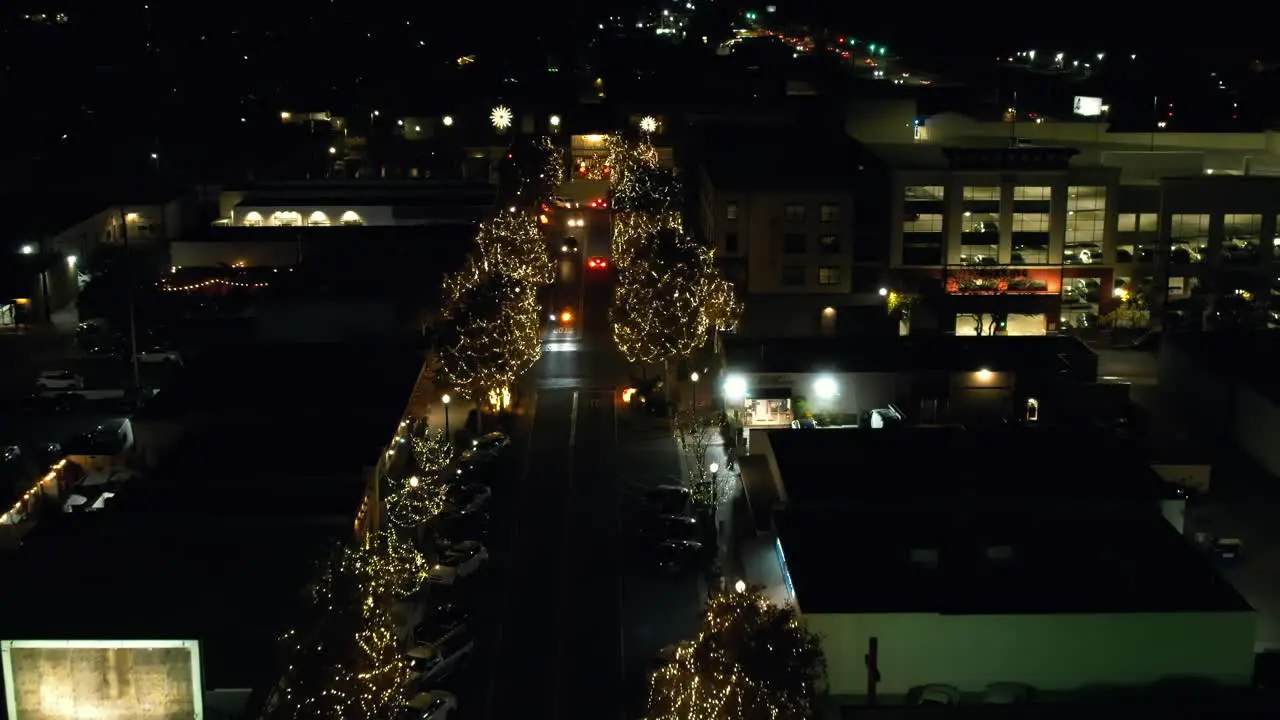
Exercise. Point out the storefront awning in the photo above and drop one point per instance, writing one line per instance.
(775, 393)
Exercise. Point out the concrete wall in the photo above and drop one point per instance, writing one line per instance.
(208, 253)
(1047, 652)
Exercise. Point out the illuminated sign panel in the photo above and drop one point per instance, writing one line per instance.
(102, 679)
(1087, 106)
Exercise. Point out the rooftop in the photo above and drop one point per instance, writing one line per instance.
(772, 159)
(478, 196)
(118, 575)
(1012, 465)
(944, 352)
(1009, 564)
(1247, 356)
(324, 408)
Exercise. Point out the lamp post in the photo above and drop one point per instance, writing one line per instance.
(693, 377)
(445, 399)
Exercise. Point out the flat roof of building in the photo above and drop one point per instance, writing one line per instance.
(348, 396)
(480, 197)
(917, 465)
(783, 159)
(941, 352)
(428, 234)
(1241, 355)
(114, 574)
(1012, 563)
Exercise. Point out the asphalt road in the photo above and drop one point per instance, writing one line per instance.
(576, 625)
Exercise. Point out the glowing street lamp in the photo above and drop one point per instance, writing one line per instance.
(694, 377)
(445, 399)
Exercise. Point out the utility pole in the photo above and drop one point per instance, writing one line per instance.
(1155, 120)
(128, 288)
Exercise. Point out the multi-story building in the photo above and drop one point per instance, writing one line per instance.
(1014, 239)
(1182, 221)
(784, 226)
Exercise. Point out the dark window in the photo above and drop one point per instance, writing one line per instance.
(731, 242)
(829, 212)
(731, 211)
(793, 244)
(828, 276)
(793, 212)
(829, 244)
(792, 275)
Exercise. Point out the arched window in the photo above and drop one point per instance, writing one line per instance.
(318, 218)
(286, 218)
(253, 218)
(351, 217)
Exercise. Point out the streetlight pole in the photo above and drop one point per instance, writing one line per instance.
(693, 377)
(445, 399)
(128, 289)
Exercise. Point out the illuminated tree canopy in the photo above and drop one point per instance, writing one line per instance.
(541, 165)
(491, 332)
(659, 301)
(751, 660)
(669, 294)
(345, 661)
(510, 243)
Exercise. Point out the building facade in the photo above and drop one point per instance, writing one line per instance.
(788, 251)
(1017, 240)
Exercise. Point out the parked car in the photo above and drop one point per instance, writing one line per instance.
(1007, 693)
(430, 705)
(459, 561)
(934, 695)
(485, 448)
(160, 354)
(661, 528)
(432, 663)
(439, 622)
(469, 497)
(453, 527)
(676, 556)
(59, 380)
(670, 499)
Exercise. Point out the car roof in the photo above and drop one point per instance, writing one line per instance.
(670, 488)
(422, 700)
(421, 652)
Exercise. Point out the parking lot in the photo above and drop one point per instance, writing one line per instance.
(28, 421)
(1243, 498)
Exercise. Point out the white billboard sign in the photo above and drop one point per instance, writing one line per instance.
(82, 679)
(1087, 106)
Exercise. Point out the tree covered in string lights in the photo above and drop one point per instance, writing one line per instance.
(510, 243)
(490, 332)
(415, 501)
(542, 168)
(399, 565)
(658, 311)
(751, 660)
(432, 452)
(345, 660)
(720, 304)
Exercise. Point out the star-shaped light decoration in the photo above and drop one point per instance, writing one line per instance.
(649, 124)
(501, 117)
